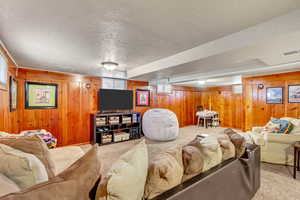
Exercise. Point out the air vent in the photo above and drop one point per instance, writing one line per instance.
(291, 53)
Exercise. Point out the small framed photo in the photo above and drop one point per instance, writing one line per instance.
(40, 95)
(13, 94)
(294, 94)
(275, 95)
(142, 97)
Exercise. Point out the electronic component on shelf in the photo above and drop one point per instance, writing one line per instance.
(99, 130)
(114, 120)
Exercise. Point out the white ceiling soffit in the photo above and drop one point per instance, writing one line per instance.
(276, 28)
(222, 77)
(76, 36)
(221, 81)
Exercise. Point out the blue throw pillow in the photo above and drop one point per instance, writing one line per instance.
(283, 124)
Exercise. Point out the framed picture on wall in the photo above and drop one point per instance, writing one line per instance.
(275, 95)
(40, 95)
(294, 94)
(3, 71)
(13, 94)
(142, 97)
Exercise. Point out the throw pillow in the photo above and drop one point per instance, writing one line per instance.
(271, 127)
(295, 122)
(33, 145)
(23, 168)
(7, 186)
(238, 141)
(165, 172)
(285, 126)
(127, 177)
(75, 183)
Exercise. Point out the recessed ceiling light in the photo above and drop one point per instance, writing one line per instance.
(110, 66)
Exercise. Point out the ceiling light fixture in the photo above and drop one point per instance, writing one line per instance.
(201, 82)
(110, 66)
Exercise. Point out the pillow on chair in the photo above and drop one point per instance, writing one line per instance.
(285, 127)
(33, 145)
(75, 183)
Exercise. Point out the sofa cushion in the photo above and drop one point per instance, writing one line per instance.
(210, 149)
(227, 147)
(75, 183)
(7, 186)
(23, 168)
(193, 160)
(33, 145)
(165, 172)
(238, 141)
(127, 177)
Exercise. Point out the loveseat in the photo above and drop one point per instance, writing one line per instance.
(277, 148)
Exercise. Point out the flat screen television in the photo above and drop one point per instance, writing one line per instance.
(112, 100)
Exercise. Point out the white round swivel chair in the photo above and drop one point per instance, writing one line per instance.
(160, 124)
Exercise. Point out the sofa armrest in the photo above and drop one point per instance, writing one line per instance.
(258, 138)
(64, 157)
(257, 129)
(282, 138)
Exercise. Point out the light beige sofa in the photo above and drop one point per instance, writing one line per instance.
(277, 148)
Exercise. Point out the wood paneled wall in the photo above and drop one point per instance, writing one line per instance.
(182, 101)
(257, 112)
(229, 105)
(70, 122)
(8, 120)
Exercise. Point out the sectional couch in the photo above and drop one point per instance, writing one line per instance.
(140, 178)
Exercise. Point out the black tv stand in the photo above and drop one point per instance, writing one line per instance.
(116, 127)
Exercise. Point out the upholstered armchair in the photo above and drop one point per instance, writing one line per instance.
(277, 148)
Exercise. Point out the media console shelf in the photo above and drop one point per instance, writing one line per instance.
(116, 127)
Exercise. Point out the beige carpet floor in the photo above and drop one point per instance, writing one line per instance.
(277, 182)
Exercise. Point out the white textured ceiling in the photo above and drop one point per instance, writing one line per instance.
(76, 35)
